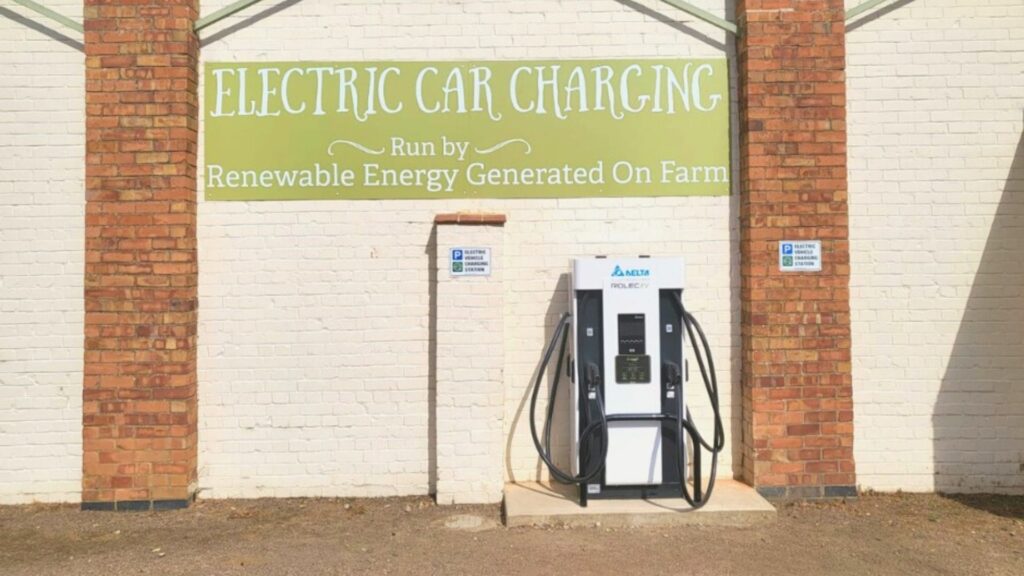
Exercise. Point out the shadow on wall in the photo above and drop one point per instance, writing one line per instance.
(37, 24)
(872, 15)
(978, 422)
(562, 436)
(679, 25)
(431, 253)
(521, 419)
(248, 21)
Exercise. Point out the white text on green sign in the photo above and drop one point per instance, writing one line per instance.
(444, 130)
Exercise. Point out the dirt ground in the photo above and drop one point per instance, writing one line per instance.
(876, 534)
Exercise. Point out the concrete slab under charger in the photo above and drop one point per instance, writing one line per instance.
(534, 504)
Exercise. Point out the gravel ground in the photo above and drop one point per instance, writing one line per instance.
(875, 534)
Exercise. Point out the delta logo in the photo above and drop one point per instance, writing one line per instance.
(630, 272)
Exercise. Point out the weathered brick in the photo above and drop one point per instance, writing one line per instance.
(793, 186)
(125, 232)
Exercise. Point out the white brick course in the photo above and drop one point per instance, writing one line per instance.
(936, 160)
(42, 218)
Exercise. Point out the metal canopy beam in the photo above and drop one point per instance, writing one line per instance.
(223, 13)
(680, 4)
(862, 8)
(55, 16)
(704, 15)
(240, 5)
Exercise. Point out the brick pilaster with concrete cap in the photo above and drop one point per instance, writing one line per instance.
(470, 361)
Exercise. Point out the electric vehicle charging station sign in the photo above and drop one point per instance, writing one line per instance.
(470, 261)
(433, 130)
(800, 255)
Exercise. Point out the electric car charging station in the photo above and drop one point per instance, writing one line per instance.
(361, 249)
(632, 434)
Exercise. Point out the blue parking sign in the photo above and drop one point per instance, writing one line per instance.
(787, 249)
(456, 254)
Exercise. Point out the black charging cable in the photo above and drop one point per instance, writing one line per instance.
(591, 379)
(684, 420)
(593, 386)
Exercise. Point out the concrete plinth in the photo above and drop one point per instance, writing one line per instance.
(532, 504)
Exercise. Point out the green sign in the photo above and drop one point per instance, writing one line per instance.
(398, 130)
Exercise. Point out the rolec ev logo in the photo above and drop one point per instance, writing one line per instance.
(630, 272)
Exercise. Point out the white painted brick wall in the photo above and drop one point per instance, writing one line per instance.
(936, 97)
(314, 332)
(470, 365)
(314, 320)
(42, 217)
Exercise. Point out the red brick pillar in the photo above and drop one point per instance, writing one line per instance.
(798, 409)
(140, 254)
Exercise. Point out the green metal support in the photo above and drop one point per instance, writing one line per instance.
(704, 15)
(862, 8)
(55, 16)
(680, 4)
(240, 5)
(223, 13)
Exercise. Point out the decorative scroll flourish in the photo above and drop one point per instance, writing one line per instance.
(356, 145)
(500, 145)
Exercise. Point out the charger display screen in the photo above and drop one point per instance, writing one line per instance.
(632, 364)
